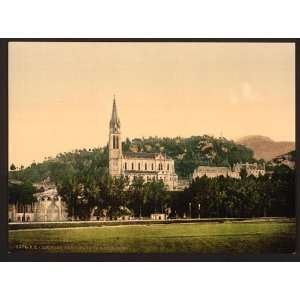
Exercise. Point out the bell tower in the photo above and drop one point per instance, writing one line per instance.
(115, 143)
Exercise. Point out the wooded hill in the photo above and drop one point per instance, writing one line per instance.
(191, 152)
(188, 153)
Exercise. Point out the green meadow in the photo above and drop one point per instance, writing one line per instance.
(202, 238)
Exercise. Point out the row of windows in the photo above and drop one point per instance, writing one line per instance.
(148, 178)
(28, 208)
(160, 166)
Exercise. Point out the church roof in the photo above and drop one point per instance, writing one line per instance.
(139, 155)
(143, 155)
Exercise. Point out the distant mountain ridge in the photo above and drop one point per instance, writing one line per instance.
(264, 147)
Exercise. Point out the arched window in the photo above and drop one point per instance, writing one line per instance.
(145, 166)
(115, 142)
(168, 167)
(125, 166)
(132, 166)
(139, 166)
(152, 167)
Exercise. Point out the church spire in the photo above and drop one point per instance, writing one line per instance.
(114, 121)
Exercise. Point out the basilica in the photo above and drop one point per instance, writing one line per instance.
(149, 166)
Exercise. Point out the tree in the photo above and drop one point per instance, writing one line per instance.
(21, 193)
(12, 167)
(156, 197)
(118, 202)
(137, 196)
(243, 174)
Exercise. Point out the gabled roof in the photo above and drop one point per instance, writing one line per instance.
(144, 155)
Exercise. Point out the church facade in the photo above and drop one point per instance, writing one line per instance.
(149, 166)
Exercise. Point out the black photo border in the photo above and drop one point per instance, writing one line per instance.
(4, 254)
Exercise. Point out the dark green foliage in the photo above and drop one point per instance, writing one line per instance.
(83, 182)
(56, 167)
(21, 193)
(188, 153)
(78, 175)
(264, 196)
(191, 152)
(156, 198)
(80, 179)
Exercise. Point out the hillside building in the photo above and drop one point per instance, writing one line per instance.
(234, 172)
(254, 169)
(47, 207)
(149, 166)
(212, 172)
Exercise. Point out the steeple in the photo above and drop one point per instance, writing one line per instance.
(114, 123)
(115, 143)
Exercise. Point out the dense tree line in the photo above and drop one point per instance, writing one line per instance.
(104, 196)
(265, 196)
(88, 189)
(83, 182)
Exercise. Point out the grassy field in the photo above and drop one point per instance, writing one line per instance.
(204, 238)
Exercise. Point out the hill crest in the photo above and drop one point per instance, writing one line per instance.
(266, 148)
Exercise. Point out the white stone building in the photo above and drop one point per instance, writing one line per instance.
(158, 217)
(212, 172)
(254, 169)
(149, 166)
(47, 207)
(234, 172)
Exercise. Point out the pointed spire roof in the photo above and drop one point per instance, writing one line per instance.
(114, 121)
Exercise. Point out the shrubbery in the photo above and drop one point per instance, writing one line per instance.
(269, 195)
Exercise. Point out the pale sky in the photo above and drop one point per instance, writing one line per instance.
(60, 94)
